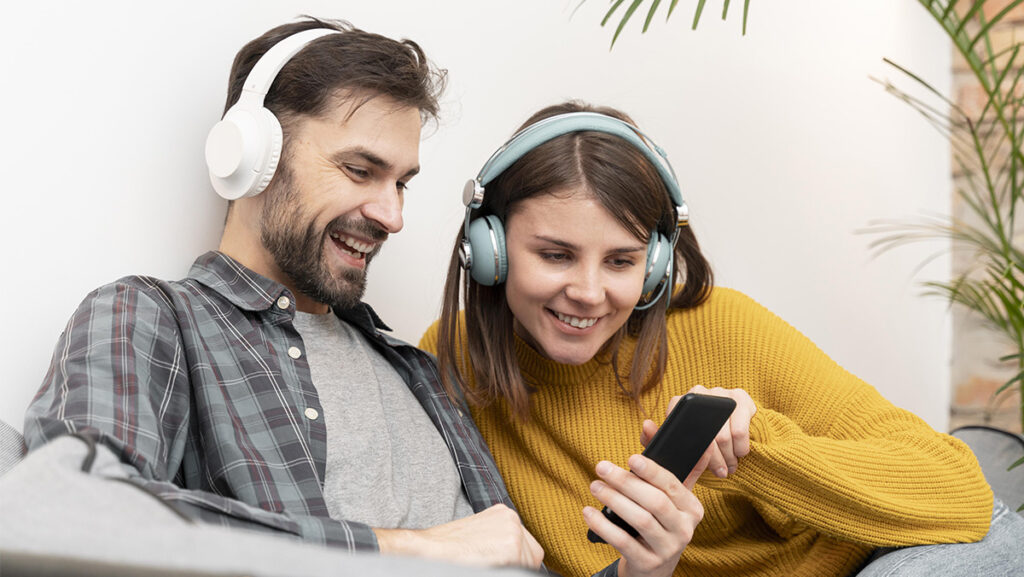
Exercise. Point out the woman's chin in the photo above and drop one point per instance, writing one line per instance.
(569, 357)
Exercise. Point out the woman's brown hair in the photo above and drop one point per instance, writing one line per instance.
(629, 187)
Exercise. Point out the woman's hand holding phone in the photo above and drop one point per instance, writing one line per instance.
(650, 515)
(732, 442)
(662, 509)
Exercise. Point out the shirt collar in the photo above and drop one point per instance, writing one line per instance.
(244, 288)
(364, 317)
(251, 291)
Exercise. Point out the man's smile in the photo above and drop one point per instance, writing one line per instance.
(355, 248)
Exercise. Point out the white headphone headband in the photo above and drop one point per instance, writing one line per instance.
(262, 75)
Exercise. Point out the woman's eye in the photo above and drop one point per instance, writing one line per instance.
(554, 256)
(622, 262)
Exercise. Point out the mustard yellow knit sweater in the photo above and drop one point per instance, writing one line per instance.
(834, 469)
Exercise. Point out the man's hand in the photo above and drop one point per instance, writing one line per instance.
(654, 502)
(732, 442)
(492, 537)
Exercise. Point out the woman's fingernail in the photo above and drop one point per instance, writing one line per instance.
(722, 472)
(596, 487)
(603, 468)
(636, 462)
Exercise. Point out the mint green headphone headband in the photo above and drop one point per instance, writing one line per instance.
(544, 130)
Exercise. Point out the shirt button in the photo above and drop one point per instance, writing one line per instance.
(294, 352)
(311, 414)
(283, 302)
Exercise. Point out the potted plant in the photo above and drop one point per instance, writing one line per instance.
(988, 153)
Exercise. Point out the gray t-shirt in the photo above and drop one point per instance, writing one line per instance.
(387, 465)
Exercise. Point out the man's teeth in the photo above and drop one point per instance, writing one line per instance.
(361, 247)
(576, 321)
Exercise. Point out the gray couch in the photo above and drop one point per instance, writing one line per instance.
(57, 520)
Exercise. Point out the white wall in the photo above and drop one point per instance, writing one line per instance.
(783, 145)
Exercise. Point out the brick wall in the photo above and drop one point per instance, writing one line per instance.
(976, 371)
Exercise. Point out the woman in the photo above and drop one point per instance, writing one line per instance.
(564, 370)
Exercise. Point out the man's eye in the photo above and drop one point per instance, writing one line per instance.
(357, 172)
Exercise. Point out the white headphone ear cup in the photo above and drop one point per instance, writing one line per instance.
(487, 245)
(242, 152)
(659, 261)
(227, 153)
(272, 142)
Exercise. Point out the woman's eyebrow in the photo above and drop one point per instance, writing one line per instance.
(571, 246)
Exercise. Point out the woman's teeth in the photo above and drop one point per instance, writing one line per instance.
(577, 322)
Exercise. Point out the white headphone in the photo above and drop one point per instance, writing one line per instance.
(243, 149)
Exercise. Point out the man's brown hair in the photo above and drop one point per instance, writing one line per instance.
(353, 63)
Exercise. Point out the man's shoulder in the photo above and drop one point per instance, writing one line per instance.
(143, 288)
(143, 310)
(213, 278)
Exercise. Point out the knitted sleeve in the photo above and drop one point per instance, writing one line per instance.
(828, 452)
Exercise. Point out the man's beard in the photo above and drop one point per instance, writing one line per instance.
(298, 247)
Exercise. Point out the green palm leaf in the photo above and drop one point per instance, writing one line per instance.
(989, 157)
(634, 5)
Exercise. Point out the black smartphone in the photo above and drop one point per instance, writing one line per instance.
(681, 441)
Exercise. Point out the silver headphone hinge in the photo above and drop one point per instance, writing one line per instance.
(465, 254)
(472, 194)
(682, 215)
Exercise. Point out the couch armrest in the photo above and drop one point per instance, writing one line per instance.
(996, 450)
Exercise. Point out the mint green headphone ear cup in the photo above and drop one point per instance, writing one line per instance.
(659, 261)
(487, 245)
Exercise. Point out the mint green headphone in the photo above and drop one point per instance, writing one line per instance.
(482, 251)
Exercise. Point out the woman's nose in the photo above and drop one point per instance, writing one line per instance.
(586, 287)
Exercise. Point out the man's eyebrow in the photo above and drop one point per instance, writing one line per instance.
(369, 156)
(571, 246)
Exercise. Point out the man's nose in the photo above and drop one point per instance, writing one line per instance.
(385, 208)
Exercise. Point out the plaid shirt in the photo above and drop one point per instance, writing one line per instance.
(202, 386)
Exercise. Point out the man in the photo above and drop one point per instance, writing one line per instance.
(259, 392)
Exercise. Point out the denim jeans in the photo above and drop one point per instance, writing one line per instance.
(999, 554)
